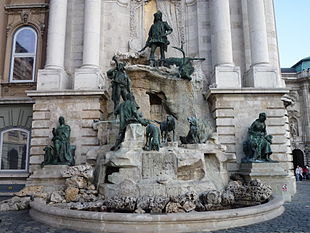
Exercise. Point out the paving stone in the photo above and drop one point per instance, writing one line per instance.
(296, 217)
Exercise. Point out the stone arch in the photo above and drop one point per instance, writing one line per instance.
(298, 158)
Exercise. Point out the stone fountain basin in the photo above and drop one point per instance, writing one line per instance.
(178, 222)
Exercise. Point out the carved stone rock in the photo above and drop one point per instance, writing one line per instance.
(77, 182)
(85, 171)
(121, 204)
(72, 194)
(57, 197)
(15, 203)
(174, 207)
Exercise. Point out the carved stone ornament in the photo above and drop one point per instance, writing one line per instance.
(25, 16)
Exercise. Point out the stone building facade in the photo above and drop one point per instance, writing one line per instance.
(71, 43)
(297, 79)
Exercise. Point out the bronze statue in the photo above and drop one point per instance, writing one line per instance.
(192, 136)
(121, 82)
(61, 153)
(167, 126)
(184, 64)
(152, 138)
(158, 38)
(257, 147)
(128, 113)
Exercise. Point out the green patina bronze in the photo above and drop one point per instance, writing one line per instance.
(184, 64)
(257, 147)
(152, 138)
(128, 114)
(61, 153)
(121, 82)
(158, 37)
(192, 137)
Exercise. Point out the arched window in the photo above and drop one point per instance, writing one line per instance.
(23, 57)
(14, 149)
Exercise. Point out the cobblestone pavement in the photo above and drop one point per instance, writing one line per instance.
(296, 218)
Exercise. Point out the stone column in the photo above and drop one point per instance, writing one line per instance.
(261, 73)
(226, 74)
(89, 75)
(258, 32)
(53, 75)
(91, 33)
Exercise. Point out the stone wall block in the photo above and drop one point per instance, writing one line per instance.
(225, 113)
(279, 139)
(89, 105)
(277, 130)
(90, 141)
(34, 167)
(275, 121)
(41, 107)
(87, 123)
(233, 167)
(37, 124)
(225, 121)
(41, 133)
(37, 150)
(41, 115)
(286, 166)
(36, 159)
(91, 114)
(281, 148)
(226, 139)
(225, 130)
(276, 112)
(230, 147)
(89, 132)
(39, 141)
(281, 157)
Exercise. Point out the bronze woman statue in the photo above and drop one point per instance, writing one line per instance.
(61, 153)
(257, 147)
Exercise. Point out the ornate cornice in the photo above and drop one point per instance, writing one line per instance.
(10, 7)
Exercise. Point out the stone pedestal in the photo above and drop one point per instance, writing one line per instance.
(236, 109)
(227, 77)
(53, 79)
(50, 177)
(171, 171)
(79, 108)
(262, 76)
(271, 174)
(88, 79)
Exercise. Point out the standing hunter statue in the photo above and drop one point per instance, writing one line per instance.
(121, 82)
(158, 38)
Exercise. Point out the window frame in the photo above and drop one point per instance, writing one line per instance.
(23, 55)
(27, 150)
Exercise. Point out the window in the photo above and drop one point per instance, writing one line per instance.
(14, 150)
(23, 55)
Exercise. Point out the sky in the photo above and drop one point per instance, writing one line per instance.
(293, 28)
